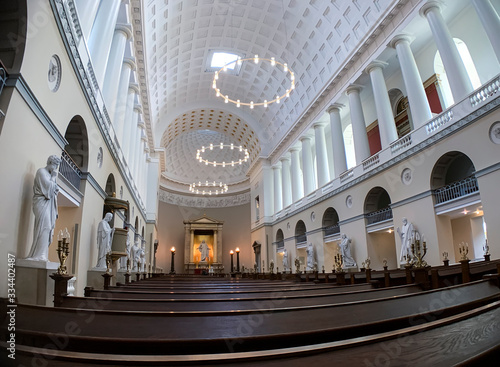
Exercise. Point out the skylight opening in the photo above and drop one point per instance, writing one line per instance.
(219, 59)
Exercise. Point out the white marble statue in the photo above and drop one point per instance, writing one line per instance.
(405, 233)
(104, 238)
(135, 254)
(123, 259)
(285, 259)
(142, 256)
(45, 192)
(345, 251)
(310, 256)
(204, 251)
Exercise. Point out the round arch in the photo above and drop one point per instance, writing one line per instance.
(330, 222)
(279, 235)
(78, 146)
(110, 186)
(451, 167)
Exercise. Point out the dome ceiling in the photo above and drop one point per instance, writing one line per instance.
(313, 37)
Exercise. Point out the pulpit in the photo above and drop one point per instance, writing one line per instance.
(202, 245)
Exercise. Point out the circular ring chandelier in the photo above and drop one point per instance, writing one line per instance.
(207, 187)
(252, 104)
(222, 146)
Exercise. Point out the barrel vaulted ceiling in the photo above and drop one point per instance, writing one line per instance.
(314, 37)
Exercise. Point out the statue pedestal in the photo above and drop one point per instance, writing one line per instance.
(33, 283)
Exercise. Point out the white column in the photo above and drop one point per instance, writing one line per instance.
(297, 186)
(278, 194)
(361, 145)
(286, 180)
(111, 80)
(129, 123)
(419, 106)
(491, 22)
(322, 170)
(308, 175)
(87, 9)
(268, 203)
(386, 124)
(101, 36)
(138, 149)
(339, 156)
(135, 118)
(121, 100)
(455, 69)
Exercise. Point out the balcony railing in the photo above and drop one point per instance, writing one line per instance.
(332, 230)
(3, 78)
(379, 215)
(70, 171)
(301, 238)
(456, 190)
(280, 244)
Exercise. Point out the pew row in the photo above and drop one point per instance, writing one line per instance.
(126, 292)
(283, 299)
(469, 338)
(182, 332)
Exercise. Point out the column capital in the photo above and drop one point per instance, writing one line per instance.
(126, 29)
(375, 64)
(276, 166)
(284, 159)
(130, 61)
(403, 37)
(294, 149)
(434, 4)
(138, 108)
(319, 124)
(335, 106)
(354, 88)
(306, 137)
(134, 87)
(141, 124)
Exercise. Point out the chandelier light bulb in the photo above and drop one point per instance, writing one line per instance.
(208, 188)
(252, 104)
(232, 163)
(215, 163)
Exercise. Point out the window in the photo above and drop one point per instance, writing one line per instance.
(217, 59)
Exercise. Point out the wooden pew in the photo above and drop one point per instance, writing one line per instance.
(465, 339)
(228, 294)
(124, 332)
(276, 299)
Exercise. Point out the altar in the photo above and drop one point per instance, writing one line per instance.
(203, 246)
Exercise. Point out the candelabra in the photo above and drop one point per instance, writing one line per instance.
(418, 252)
(486, 250)
(463, 248)
(172, 266)
(108, 263)
(237, 259)
(445, 256)
(367, 263)
(271, 267)
(297, 265)
(338, 263)
(62, 250)
(232, 262)
(384, 262)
